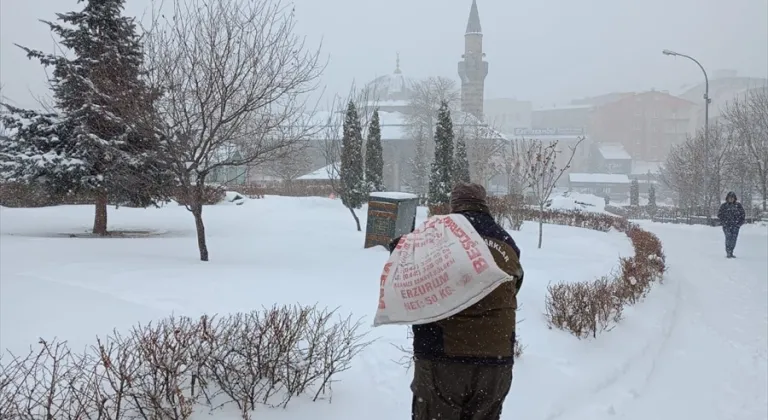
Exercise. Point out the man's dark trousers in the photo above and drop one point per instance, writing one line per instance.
(456, 391)
(731, 235)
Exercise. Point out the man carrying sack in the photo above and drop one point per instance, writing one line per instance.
(463, 363)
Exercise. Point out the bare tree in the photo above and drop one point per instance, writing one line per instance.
(685, 173)
(426, 97)
(541, 170)
(485, 146)
(748, 116)
(740, 175)
(510, 162)
(720, 145)
(331, 124)
(293, 164)
(231, 73)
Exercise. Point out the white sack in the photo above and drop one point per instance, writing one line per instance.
(438, 270)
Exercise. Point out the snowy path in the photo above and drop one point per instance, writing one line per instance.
(711, 361)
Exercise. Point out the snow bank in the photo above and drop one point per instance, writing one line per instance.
(307, 251)
(233, 197)
(570, 201)
(394, 195)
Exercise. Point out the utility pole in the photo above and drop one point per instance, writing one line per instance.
(707, 101)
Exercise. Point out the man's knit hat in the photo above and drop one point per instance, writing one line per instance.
(468, 197)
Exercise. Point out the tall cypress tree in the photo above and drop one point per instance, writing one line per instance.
(374, 159)
(652, 201)
(461, 161)
(441, 174)
(634, 193)
(420, 164)
(101, 97)
(353, 189)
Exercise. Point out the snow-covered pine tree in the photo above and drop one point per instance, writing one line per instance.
(652, 201)
(374, 159)
(634, 193)
(461, 161)
(353, 189)
(420, 164)
(441, 176)
(100, 95)
(35, 142)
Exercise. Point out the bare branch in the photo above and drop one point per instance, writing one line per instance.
(541, 170)
(748, 118)
(234, 82)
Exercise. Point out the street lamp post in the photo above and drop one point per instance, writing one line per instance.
(707, 101)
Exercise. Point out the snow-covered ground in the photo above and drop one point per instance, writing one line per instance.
(570, 201)
(695, 349)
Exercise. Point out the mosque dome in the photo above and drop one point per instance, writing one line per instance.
(391, 87)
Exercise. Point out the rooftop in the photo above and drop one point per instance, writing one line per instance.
(642, 167)
(395, 126)
(586, 178)
(473, 23)
(323, 174)
(564, 107)
(390, 87)
(613, 151)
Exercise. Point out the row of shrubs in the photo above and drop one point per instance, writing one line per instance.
(178, 366)
(695, 216)
(588, 307)
(30, 195)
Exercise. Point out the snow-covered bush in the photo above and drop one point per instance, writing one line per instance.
(587, 308)
(584, 308)
(180, 365)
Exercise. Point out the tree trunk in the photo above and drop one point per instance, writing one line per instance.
(100, 217)
(197, 211)
(765, 192)
(357, 220)
(541, 224)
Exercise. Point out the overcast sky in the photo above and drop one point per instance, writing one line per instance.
(547, 51)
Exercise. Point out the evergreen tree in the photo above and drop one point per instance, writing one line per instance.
(353, 188)
(34, 150)
(101, 98)
(652, 201)
(461, 162)
(420, 164)
(441, 176)
(634, 193)
(374, 159)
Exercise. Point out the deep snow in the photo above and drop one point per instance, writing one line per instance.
(696, 348)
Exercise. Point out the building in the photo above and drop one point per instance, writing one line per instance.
(473, 68)
(507, 114)
(600, 100)
(646, 124)
(724, 86)
(610, 158)
(568, 117)
(615, 186)
(391, 94)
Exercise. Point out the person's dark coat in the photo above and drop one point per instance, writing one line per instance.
(484, 333)
(731, 214)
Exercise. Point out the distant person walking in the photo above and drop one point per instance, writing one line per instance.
(731, 215)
